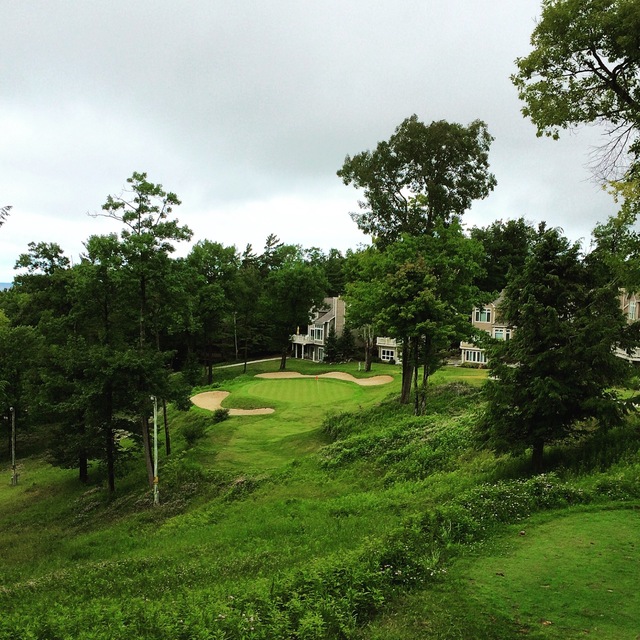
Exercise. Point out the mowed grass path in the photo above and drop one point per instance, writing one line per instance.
(265, 442)
(576, 575)
(557, 576)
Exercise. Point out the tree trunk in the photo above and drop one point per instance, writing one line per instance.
(109, 444)
(83, 461)
(209, 371)
(407, 372)
(246, 354)
(416, 369)
(537, 455)
(111, 473)
(367, 355)
(425, 378)
(83, 468)
(283, 360)
(167, 437)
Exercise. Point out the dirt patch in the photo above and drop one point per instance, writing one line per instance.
(337, 375)
(212, 400)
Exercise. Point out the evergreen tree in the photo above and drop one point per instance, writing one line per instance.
(559, 367)
(331, 348)
(346, 343)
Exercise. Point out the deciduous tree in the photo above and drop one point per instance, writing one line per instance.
(423, 174)
(585, 68)
(506, 246)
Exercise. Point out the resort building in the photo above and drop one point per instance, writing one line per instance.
(311, 345)
(485, 318)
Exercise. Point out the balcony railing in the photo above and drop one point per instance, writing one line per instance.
(305, 339)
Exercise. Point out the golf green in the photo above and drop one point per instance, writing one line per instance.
(303, 391)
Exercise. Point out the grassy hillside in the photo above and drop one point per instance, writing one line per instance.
(341, 515)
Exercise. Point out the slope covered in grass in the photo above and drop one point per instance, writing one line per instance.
(350, 521)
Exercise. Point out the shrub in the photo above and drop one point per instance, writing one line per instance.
(194, 430)
(219, 415)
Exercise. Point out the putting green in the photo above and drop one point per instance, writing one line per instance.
(303, 391)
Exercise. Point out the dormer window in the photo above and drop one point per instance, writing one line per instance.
(483, 315)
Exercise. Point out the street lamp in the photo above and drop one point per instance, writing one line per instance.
(14, 475)
(156, 495)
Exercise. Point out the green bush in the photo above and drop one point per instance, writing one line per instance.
(195, 429)
(219, 415)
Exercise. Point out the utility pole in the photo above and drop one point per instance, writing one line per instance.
(14, 475)
(235, 333)
(156, 495)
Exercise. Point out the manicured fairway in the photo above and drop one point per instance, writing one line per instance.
(572, 577)
(264, 442)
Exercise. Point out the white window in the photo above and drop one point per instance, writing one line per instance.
(502, 333)
(632, 310)
(483, 315)
(317, 333)
(387, 354)
(475, 356)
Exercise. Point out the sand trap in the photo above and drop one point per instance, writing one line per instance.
(337, 375)
(212, 400)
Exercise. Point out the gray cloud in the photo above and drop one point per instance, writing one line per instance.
(247, 109)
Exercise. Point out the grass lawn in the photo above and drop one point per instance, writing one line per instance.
(263, 443)
(255, 538)
(569, 575)
(574, 575)
(469, 375)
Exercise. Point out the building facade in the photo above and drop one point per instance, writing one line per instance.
(486, 319)
(311, 345)
(630, 305)
(389, 350)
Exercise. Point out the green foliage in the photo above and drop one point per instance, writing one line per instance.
(584, 68)
(347, 343)
(219, 415)
(424, 174)
(195, 429)
(506, 246)
(558, 368)
(331, 348)
(418, 290)
(404, 446)
(292, 288)
(304, 549)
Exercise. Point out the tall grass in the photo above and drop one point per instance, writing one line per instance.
(307, 524)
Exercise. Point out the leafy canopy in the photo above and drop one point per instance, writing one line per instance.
(422, 174)
(584, 69)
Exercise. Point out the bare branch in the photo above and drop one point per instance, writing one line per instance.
(610, 161)
(4, 213)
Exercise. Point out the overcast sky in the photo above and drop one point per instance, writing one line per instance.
(247, 109)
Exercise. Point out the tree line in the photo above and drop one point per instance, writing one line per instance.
(83, 347)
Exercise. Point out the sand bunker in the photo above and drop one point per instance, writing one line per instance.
(337, 375)
(212, 400)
